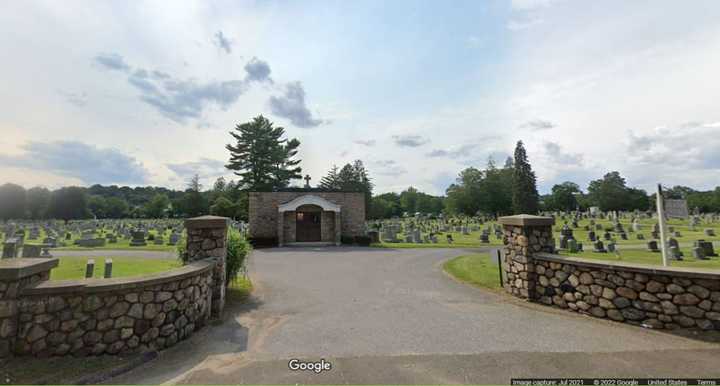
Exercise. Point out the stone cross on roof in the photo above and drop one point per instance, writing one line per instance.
(307, 180)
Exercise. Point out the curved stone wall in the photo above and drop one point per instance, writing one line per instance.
(92, 317)
(109, 316)
(652, 297)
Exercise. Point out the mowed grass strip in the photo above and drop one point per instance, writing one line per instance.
(74, 267)
(641, 256)
(475, 269)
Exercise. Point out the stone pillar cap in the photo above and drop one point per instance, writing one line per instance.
(18, 268)
(207, 222)
(526, 220)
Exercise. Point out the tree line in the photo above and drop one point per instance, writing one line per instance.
(264, 160)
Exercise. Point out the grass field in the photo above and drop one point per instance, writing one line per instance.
(631, 250)
(459, 241)
(476, 269)
(74, 267)
(122, 244)
(647, 257)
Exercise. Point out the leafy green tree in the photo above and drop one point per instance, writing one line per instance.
(261, 157)
(158, 206)
(38, 199)
(69, 203)
(223, 207)
(409, 200)
(388, 206)
(524, 195)
(97, 206)
(563, 196)
(116, 207)
(495, 191)
(13, 201)
(609, 193)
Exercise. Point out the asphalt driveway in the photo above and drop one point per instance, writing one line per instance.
(393, 316)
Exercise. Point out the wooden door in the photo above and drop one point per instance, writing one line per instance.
(308, 226)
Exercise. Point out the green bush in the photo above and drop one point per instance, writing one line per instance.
(238, 249)
(362, 241)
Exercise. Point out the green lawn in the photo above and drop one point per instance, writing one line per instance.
(641, 256)
(74, 267)
(476, 269)
(459, 241)
(682, 226)
(122, 244)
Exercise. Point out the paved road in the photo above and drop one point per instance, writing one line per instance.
(393, 316)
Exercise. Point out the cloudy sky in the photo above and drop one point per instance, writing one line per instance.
(139, 93)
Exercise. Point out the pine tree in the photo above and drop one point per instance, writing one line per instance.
(262, 158)
(331, 181)
(525, 195)
(352, 178)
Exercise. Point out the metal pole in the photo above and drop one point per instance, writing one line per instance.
(661, 219)
(499, 260)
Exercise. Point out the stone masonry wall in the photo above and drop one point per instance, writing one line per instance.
(102, 317)
(108, 316)
(9, 294)
(263, 211)
(641, 296)
(654, 297)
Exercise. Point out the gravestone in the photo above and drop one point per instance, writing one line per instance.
(9, 249)
(138, 239)
(611, 247)
(699, 253)
(710, 232)
(50, 241)
(484, 238)
(31, 250)
(707, 247)
(640, 236)
(652, 246)
(599, 247)
(675, 253)
(591, 236)
(572, 246)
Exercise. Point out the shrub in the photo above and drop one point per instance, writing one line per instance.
(363, 241)
(346, 240)
(151, 237)
(237, 250)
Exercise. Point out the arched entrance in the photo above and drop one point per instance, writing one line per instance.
(309, 219)
(308, 223)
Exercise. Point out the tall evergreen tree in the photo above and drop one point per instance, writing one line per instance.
(262, 158)
(331, 181)
(194, 202)
(524, 194)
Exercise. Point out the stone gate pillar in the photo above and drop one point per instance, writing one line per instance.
(524, 235)
(15, 275)
(207, 238)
